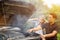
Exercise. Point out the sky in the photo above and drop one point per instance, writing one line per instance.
(49, 3)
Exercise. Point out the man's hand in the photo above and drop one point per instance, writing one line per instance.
(43, 37)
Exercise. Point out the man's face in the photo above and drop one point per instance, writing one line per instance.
(50, 18)
(42, 20)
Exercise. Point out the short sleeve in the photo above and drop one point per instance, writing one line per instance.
(56, 28)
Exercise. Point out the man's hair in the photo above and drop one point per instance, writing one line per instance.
(54, 15)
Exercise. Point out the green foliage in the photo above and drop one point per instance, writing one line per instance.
(58, 36)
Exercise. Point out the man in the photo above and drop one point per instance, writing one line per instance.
(38, 30)
(41, 22)
(51, 28)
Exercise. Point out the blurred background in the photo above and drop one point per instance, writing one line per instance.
(19, 13)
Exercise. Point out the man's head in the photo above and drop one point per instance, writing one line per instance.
(42, 19)
(52, 17)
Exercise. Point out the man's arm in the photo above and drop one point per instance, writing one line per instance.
(51, 34)
(35, 29)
